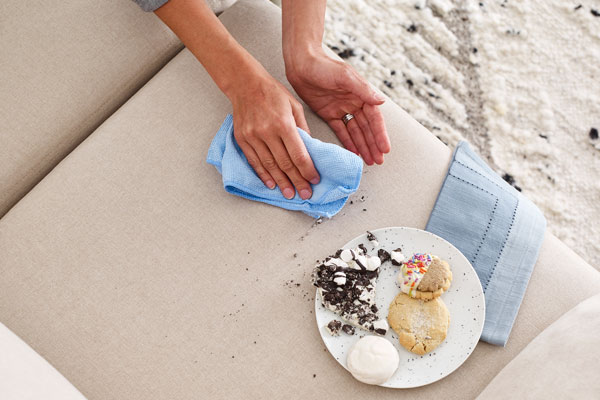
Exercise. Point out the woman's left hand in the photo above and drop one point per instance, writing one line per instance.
(332, 89)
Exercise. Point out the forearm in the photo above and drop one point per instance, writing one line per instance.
(302, 31)
(227, 62)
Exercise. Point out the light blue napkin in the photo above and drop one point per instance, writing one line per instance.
(499, 231)
(340, 172)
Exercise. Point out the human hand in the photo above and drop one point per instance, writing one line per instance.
(332, 89)
(265, 116)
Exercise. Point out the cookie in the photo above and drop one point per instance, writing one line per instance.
(372, 360)
(346, 283)
(424, 276)
(421, 325)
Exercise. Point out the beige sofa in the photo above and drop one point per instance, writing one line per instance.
(126, 266)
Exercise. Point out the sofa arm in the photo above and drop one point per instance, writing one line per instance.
(561, 362)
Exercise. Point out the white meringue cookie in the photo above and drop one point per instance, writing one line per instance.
(372, 360)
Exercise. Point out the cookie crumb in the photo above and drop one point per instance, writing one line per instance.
(511, 181)
(348, 329)
(593, 133)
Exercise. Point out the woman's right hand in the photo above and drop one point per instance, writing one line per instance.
(265, 117)
(265, 114)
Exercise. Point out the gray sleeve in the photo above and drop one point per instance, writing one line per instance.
(150, 5)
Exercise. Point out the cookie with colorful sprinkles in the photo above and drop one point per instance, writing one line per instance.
(424, 276)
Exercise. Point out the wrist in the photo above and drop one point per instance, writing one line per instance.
(299, 61)
(248, 75)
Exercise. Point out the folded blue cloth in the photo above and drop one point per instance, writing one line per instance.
(496, 228)
(340, 172)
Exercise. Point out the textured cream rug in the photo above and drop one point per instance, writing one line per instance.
(520, 80)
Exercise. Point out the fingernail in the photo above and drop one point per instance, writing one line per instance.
(288, 193)
(314, 181)
(305, 194)
(379, 97)
(270, 184)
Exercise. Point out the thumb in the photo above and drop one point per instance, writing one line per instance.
(356, 84)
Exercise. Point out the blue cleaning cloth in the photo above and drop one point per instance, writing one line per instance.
(340, 171)
(496, 228)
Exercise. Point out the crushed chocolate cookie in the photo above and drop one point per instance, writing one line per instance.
(348, 329)
(363, 248)
(383, 255)
(346, 284)
(593, 133)
(577, 7)
(595, 13)
(412, 28)
(333, 327)
(371, 237)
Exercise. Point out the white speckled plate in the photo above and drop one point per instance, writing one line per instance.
(464, 300)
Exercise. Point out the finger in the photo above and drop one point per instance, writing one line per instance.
(359, 139)
(342, 133)
(298, 112)
(356, 84)
(369, 138)
(300, 158)
(377, 125)
(255, 163)
(268, 161)
(286, 165)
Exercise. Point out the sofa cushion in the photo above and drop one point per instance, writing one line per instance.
(562, 360)
(27, 376)
(135, 273)
(65, 68)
